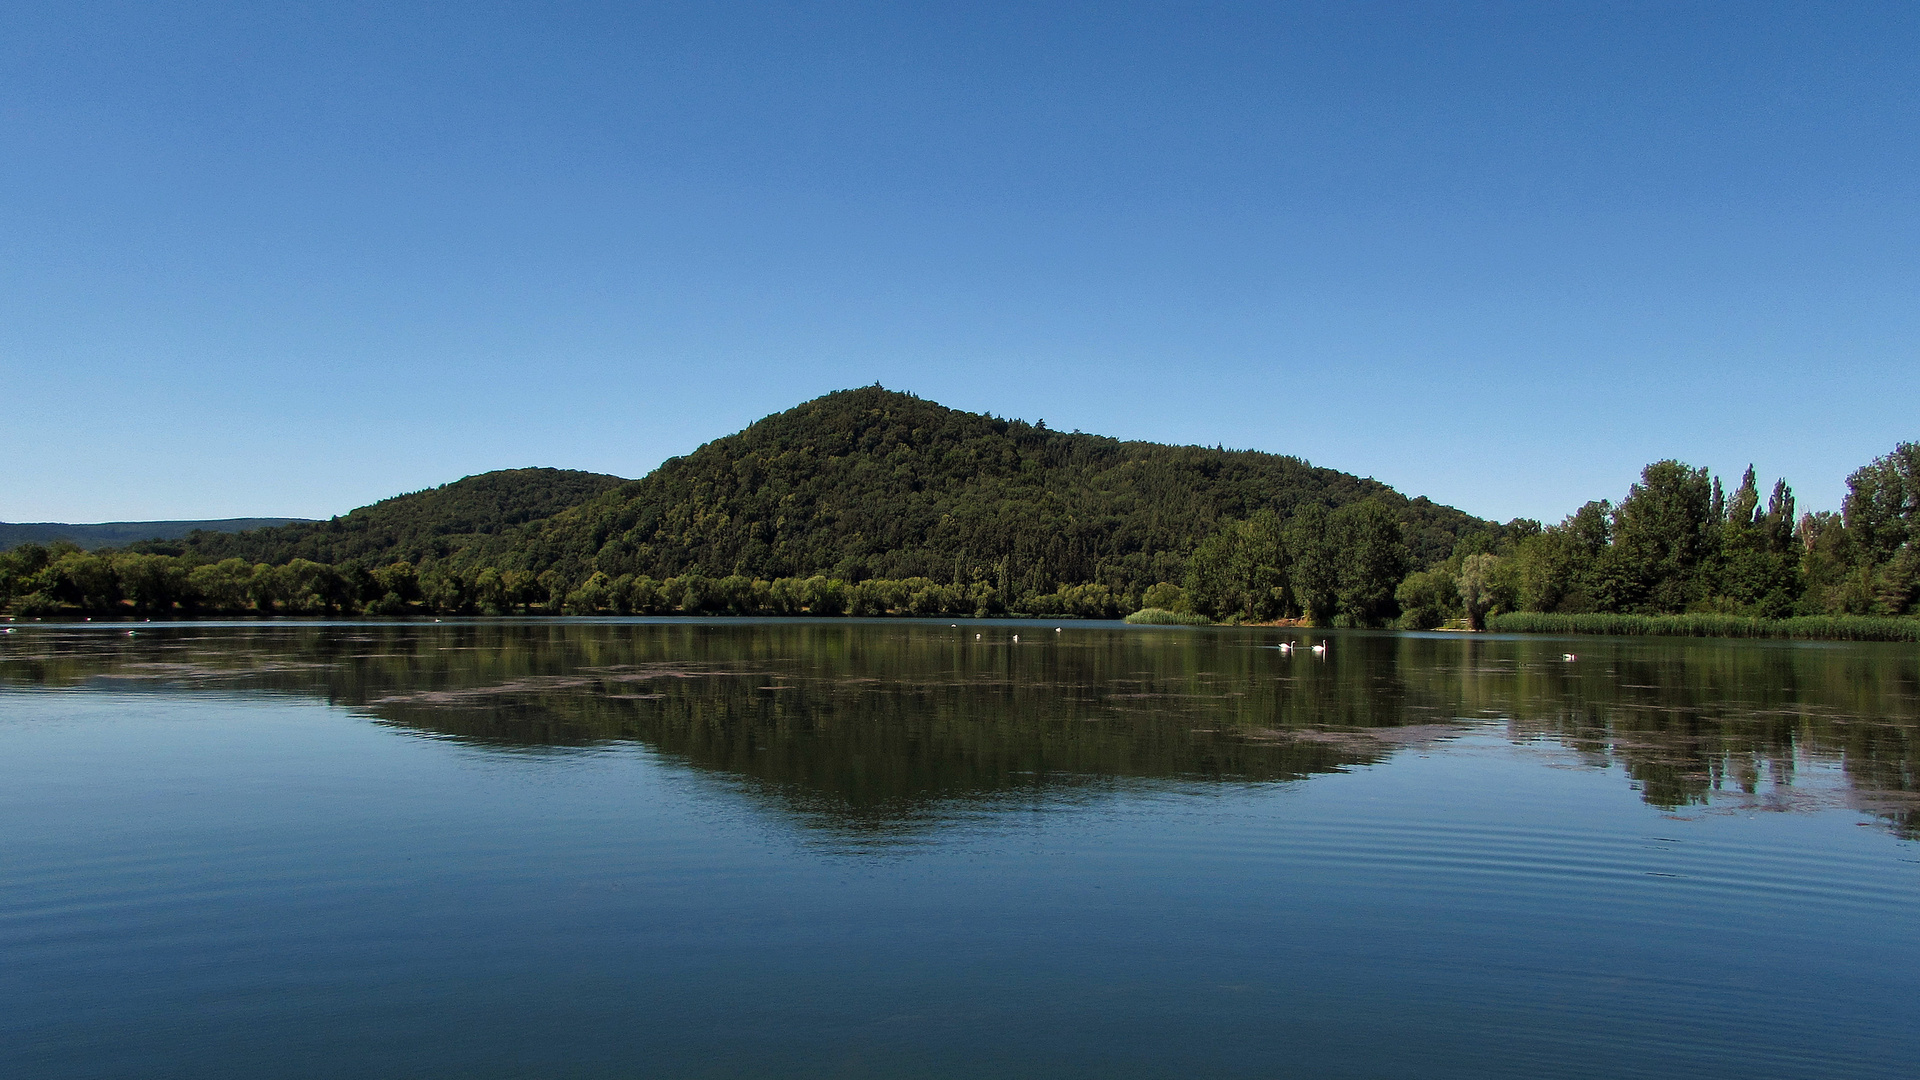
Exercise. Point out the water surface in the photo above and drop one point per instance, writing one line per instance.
(713, 848)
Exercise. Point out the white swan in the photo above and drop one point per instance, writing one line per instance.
(1320, 649)
(1568, 657)
(1286, 647)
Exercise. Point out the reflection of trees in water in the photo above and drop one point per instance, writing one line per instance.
(1691, 719)
(868, 724)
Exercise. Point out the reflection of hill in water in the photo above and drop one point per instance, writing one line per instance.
(875, 724)
(876, 749)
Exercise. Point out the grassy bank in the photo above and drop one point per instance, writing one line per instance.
(1809, 627)
(1162, 617)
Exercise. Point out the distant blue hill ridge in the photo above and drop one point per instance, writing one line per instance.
(122, 533)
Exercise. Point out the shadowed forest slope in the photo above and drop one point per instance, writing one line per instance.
(417, 527)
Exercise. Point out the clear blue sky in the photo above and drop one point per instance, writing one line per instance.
(280, 259)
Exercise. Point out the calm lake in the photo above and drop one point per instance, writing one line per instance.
(914, 849)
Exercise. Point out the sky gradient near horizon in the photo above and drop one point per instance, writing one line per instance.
(262, 260)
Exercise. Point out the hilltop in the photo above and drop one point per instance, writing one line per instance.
(875, 483)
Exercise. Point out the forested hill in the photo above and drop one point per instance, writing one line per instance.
(869, 502)
(873, 483)
(420, 527)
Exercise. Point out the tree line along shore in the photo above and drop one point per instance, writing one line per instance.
(872, 503)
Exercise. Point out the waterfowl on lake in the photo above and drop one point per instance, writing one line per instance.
(1568, 657)
(1286, 647)
(1320, 649)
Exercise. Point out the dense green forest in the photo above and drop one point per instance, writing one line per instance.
(874, 484)
(1680, 543)
(871, 502)
(1680, 553)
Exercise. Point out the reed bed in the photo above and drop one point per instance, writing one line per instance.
(1805, 627)
(1154, 616)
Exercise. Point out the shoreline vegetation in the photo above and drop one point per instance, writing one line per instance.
(1162, 617)
(1800, 628)
(869, 503)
